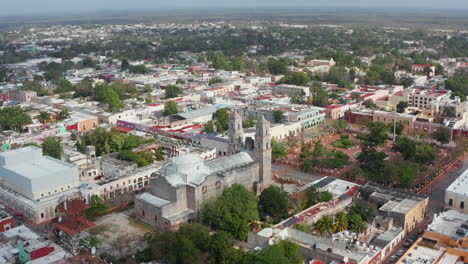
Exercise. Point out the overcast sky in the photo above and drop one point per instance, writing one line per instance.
(41, 6)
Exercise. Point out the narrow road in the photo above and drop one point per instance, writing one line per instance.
(436, 190)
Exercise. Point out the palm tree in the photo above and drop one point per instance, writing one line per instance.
(43, 117)
(357, 224)
(341, 222)
(324, 225)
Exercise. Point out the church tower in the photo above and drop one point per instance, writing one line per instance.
(235, 134)
(263, 151)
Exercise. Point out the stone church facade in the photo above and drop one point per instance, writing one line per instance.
(178, 191)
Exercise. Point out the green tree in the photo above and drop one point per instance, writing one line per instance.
(44, 117)
(173, 91)
(442, 134)
(365, 211)
(278, 116)
(324, 225)
(170, 108)
(52, 147)
(406, 81)
(218, 61)
(138, 69)
(369, 104)
(232, 212)
(64, 114)
(404, 173)
(63, 86)
(159, 154)
(401, 106)
(458, 83)
(222, 120)
(210, 127)
(284, 252)
(373, 164)
(274, 202)
(337, 74)
(407, 147)
(96, 206)
(180, 81)
(276, 66)
(215, 80)
(124, 65)
(221, 250)
(250, 122)
(341, 222)
(88, 62)
(111, 98)
(340, 125)
(84, 88)
(278, 150)
(449, 111)
(356, 223)
(34, 86)
(296, 78)
(377, 134)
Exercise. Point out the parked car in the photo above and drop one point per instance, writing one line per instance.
(400, 252)
(393, 258)
(420, 232)
(414, 237)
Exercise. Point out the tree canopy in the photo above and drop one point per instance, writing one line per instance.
(170, 108)
(442, 134)
(232, 212)
(173, 91)
(274, 202)
(13, 118)
(52, 147)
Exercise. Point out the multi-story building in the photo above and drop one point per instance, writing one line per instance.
(33, 185)
(444, 241)
(406, 209)
(22, 96)
(422, 99)
(456, 195)
(421, 68)
(291, 90)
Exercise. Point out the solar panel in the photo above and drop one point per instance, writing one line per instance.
(290, 221)
(324, 182)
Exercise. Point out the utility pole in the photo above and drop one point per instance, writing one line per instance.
(394, 126)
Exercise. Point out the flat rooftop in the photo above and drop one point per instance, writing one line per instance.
(30, 163)
(460, 185)
(447, 223)
(423, 255)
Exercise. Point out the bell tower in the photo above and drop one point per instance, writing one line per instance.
(263, 151)
(235, 134)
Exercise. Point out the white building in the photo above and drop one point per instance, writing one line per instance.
(33, 185)
(456, 195)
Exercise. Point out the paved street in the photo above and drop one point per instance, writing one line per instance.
(437, 189)
(294, 173)
(436, 193)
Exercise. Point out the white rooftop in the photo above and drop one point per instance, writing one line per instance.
(460, 185)
(447, 223)
(27, 171)
(192, 169)
(423, 255)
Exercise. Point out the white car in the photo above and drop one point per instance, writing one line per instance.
(393, 258)
(400, 252)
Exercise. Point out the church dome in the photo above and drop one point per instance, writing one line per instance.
(188, 164)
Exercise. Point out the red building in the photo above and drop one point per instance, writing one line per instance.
(73, 217)
(358, 117)
(6, 221)
(4, 97)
